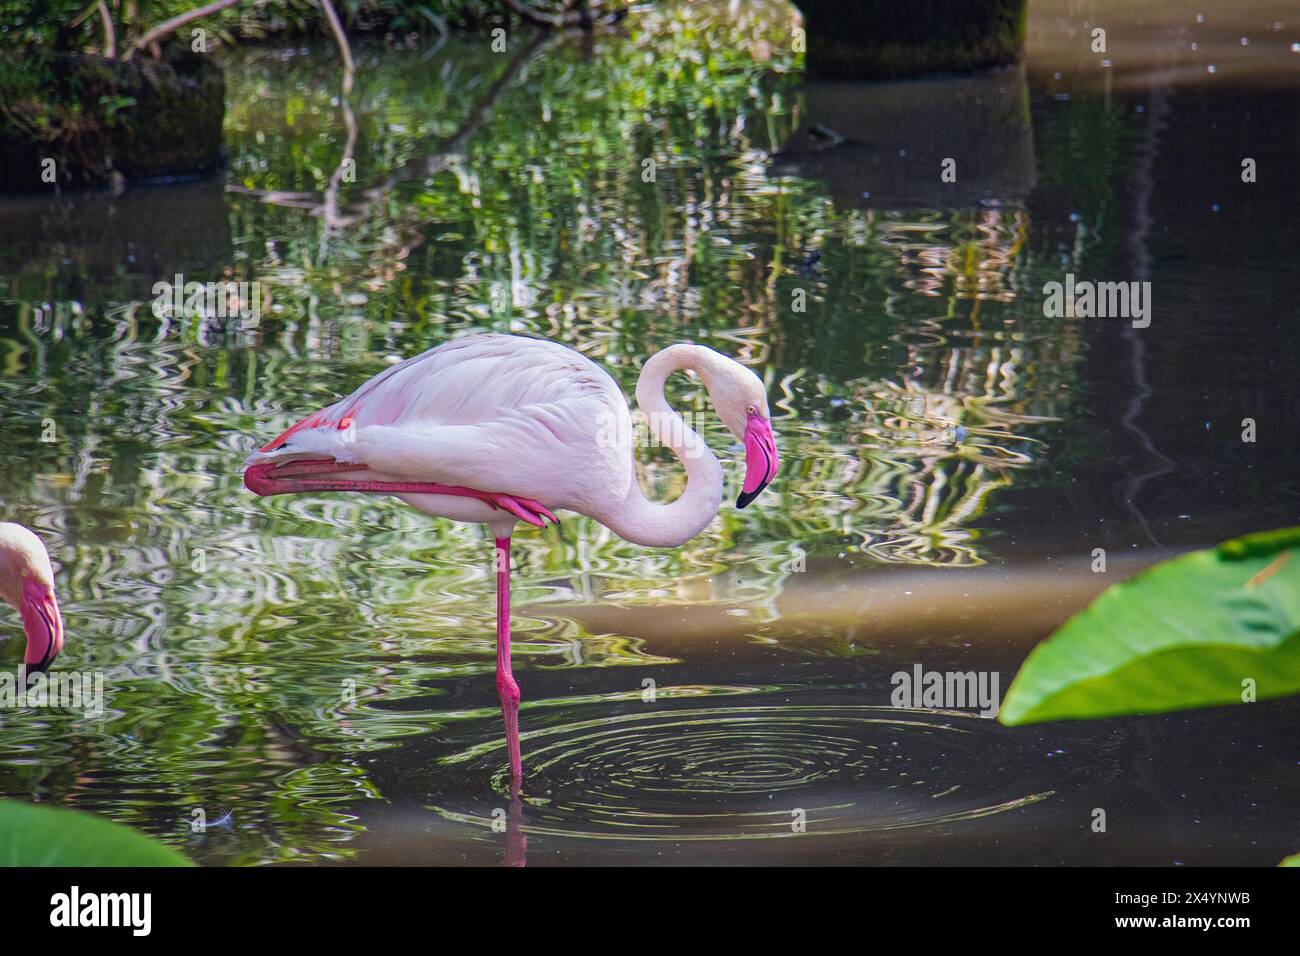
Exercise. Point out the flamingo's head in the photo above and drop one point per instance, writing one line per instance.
(741, 401)
(27, 583)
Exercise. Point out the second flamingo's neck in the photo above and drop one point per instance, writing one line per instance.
(640, 521)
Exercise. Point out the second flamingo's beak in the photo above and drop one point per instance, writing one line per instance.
(761, 459)
(43, 624)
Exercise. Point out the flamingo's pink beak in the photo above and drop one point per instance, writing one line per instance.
(761, 459)
(43, 624)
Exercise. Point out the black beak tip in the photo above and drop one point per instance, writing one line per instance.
(40, 667)
(747, 496)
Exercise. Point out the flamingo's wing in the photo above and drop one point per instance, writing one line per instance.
(493, 412)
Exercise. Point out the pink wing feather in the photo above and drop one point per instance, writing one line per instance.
(496, 412)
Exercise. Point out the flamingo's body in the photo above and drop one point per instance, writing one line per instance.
(27, 584)
(501, 428)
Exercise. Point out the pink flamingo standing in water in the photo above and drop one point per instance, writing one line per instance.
(27, 584)
(500, 428)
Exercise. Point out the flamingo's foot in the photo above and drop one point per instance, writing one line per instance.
(525, 509)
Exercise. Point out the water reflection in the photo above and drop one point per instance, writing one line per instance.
(942, 143)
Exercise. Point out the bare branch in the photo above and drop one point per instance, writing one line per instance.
(545, 19)
(175, 23)
(110, 35)
(349, 68)
(84, 15)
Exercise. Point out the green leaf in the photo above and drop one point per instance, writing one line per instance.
(1292, 860)
(1185, 633)
(33, 835)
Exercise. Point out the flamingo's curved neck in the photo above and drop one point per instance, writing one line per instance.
(644, 522)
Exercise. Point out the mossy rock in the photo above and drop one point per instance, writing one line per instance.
(890, 39)
(101, 119)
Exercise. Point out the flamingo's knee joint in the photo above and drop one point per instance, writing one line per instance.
(507, 689)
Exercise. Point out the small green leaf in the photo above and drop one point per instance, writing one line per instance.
(32, 835)
(1186, 633)
(1292, 860)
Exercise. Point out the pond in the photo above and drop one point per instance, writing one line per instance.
(313, 676)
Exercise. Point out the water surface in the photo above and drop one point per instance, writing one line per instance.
(321, 668)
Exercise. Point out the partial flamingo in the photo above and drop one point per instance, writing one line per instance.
(27, 584)
(499, 429)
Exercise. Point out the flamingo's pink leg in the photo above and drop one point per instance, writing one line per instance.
(302, 476)
(516, 841)
(507, 689)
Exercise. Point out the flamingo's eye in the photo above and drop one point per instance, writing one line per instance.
(751, 410)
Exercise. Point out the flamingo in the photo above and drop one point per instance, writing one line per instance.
(27, 584)
(498, 429)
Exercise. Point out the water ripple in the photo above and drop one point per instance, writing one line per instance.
(737, 773)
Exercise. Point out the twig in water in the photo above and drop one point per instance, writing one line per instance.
(349, 67)
(827, 138)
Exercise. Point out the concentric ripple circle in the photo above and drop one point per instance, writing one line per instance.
(727, 773)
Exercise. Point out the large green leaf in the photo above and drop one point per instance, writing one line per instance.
(1186, 633)
(49, 836)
